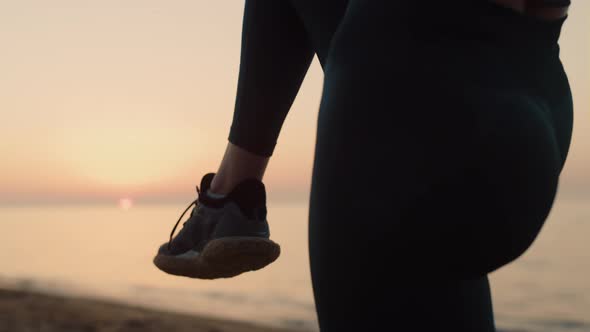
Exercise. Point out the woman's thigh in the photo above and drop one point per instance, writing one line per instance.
(430, 171)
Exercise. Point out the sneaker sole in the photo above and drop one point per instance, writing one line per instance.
(222, 258)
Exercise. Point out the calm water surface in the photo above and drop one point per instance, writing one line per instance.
(106, 252)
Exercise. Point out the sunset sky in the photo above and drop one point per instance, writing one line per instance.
(103, 100)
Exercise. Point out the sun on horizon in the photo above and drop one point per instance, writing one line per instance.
(125, 203)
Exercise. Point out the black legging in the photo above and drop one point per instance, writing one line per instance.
(442, 132)
(279, 39)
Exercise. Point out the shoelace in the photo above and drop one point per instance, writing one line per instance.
(195, 203)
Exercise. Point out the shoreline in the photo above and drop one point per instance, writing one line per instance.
(33, 310)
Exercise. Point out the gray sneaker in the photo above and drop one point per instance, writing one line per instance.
(222, 237)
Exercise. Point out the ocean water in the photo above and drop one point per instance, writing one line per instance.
(106, 252)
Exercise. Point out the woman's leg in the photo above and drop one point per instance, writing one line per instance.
(279, 40)
(437, 160)
(229, 233)
(276, 53)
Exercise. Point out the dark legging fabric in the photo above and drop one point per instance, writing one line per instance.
(279, 39)
(442, 132)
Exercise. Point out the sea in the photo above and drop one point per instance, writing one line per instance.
(106, 251)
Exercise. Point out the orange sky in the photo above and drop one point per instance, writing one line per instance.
(107, 99)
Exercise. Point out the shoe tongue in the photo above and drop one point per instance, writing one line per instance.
(206, 182)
